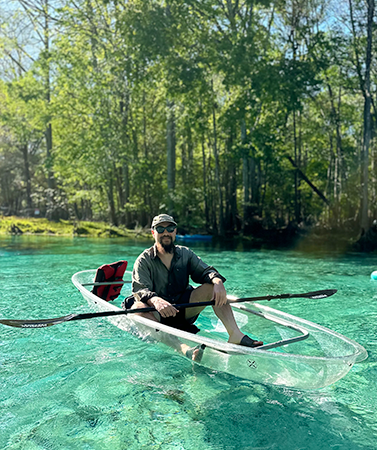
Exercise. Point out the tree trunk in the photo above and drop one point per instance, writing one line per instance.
(48, 132)
(296, 175)
(245, 179)
(25, 155)
(217, 174)
(231, 191)
(205, 193)
(190, 150)
(147, 181)
(365, 89)
(337, 153)
(118, 173)
(306, 179)
(367, 121)
(171, 156)
(126, 191)
(110, 196)
(123, 174)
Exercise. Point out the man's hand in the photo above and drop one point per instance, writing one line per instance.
(219, 292)
(165, 308)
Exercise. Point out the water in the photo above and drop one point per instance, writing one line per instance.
(88, 385)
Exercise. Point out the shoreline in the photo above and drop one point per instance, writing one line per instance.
(309, 240)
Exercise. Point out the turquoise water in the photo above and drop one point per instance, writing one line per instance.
(88, 385)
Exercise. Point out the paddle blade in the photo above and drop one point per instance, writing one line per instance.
(320, 294)
(43, 323)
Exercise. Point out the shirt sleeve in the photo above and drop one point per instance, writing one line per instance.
(201, 272)
(142, 284)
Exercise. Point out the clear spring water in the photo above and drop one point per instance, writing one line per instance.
(88, 385)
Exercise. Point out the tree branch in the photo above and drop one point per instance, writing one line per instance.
(306, 179)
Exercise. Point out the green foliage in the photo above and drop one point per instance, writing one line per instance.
(275, 82)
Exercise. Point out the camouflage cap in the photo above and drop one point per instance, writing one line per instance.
(162, 218)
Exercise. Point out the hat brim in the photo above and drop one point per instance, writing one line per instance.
(162, 221)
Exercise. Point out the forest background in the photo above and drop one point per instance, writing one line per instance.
(234, 116)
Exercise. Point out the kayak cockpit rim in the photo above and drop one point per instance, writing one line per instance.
(304, 333)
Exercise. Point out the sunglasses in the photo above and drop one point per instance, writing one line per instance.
(169, 229)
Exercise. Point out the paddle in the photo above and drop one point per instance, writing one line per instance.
(49, 322)
(106, 283)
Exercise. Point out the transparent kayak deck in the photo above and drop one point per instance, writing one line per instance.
(297, 353)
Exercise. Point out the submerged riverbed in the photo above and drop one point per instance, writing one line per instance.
(88, 385)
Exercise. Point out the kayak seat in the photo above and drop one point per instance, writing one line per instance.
(109, 272)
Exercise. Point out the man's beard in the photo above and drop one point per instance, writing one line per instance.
(169, 248)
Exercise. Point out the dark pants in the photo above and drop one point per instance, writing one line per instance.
(179, 321)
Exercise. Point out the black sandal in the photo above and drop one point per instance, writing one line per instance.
(248, 342)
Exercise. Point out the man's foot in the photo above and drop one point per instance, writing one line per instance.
(248, 342)
(195, 353)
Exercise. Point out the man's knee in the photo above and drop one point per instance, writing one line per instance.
(152, 315)
(139, 305)
(202, 293)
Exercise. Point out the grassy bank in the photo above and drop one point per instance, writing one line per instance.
(17, 225)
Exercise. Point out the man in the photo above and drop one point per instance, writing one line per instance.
(160, 279)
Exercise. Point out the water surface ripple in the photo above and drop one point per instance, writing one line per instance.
(88, 385)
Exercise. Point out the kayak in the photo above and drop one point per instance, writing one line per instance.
(297, 353)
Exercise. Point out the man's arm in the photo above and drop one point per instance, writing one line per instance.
(201, 272)
(142, 288)
(165, 308)
(142, 283)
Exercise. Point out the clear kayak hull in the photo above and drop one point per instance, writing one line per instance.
(299, 354)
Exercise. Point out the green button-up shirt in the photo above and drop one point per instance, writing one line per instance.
(151, 278)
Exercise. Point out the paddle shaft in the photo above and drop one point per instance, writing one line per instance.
(42, 323)
(316, 294)
(106, 283)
